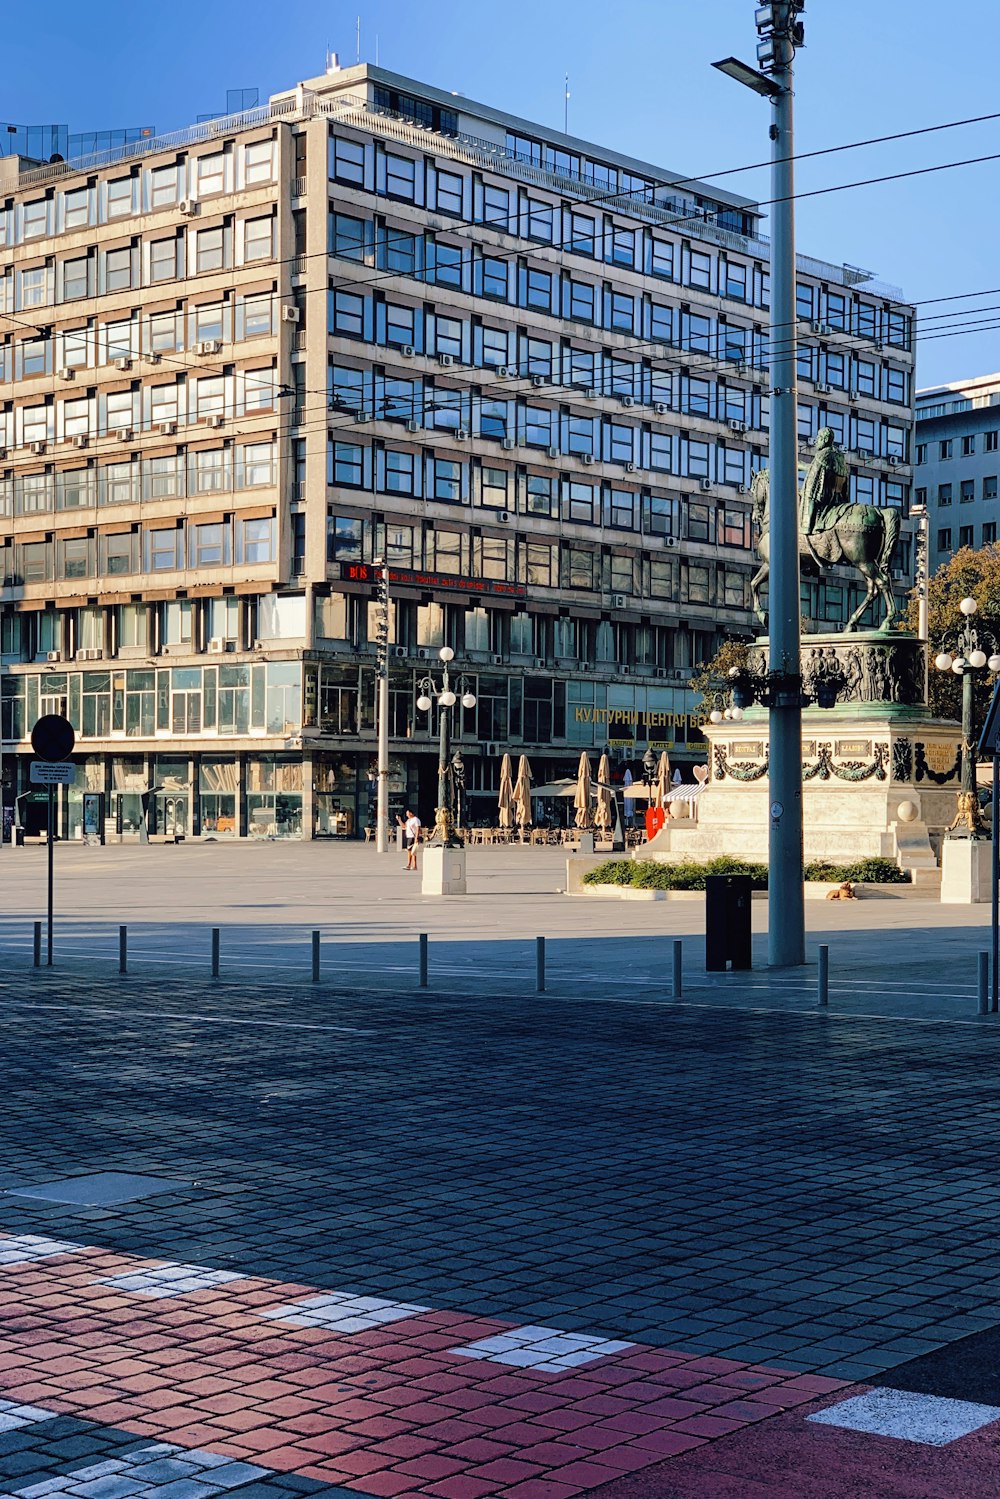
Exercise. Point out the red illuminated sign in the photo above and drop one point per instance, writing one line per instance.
(364, 572)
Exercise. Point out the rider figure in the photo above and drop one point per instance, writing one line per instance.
(825, 489)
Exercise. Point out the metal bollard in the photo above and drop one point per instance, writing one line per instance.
(678, 985)
(315, 957)
(823, 976)
(38, 945)
(123, 949)
(422, 979)
(539, 965)
(215, 952)
(984, 983)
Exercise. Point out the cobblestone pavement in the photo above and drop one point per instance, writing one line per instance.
(457, 1246)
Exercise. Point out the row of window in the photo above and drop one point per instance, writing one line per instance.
(966, 491)
(122, 413)
(172, 548)
(140, 335)
(528, 214)
(967, 536)
(966, 447)
(230, 169)
(370, 393)
(141, 263)
(171, 476)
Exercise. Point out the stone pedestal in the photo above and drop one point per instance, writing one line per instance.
(443, 871)
(966, 865)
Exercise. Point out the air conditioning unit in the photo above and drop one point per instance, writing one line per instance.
(706, 484)
(619, 601)
(503, 516)
(552, 452)
(188, 207)
(737, 426)
(398, 651)
(508, 444)
(89, 655)
(491, 750)
(290, 314)
(538, 381)
(630, 468)
(80, 440)
(497, 660)
(407, 351)
(824, 389)
(670, 541)
(66, 373)
(209, 346)
(624, 669)
(53, 655)
(216, 645)
(446, 360)
(586, 458)
(678, 674)
(661, 408)
(628, 401)
(742, 489)
(37, 447)
(123, 434)
(504, 371)
(539, 660)
(361, 416)
(865, 454)
(122, 362)
(854, 395)
(412, 426)
(214, 421)
(462, 433)
(591, 393)
(151, 358)
(167, 429)
(423, 655)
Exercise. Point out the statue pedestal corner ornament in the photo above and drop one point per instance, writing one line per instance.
(443, 870)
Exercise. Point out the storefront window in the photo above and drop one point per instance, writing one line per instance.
(274, 797)
(218, 788)
(335, 797)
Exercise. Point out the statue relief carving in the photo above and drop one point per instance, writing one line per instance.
(867, 673)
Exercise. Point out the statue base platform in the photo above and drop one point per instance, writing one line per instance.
(966, 871)
(443, 870)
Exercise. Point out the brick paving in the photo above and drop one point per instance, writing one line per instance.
(429, 1244)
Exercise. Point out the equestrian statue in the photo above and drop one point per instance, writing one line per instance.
(832, 528)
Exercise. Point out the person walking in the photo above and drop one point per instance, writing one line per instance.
(411, 836)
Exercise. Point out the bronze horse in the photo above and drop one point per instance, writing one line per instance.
(863, 535)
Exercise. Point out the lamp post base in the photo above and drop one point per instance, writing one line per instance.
(443, 870)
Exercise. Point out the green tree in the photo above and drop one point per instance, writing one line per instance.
(713, 676)
(968, 574)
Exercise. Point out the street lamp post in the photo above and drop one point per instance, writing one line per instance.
(962, 653)
(781, 32)
(450, 770)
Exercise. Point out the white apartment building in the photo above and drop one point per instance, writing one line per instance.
(372, 318)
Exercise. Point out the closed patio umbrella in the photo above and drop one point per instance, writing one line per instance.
(602, 811)
(522, 794)
(505, 800)
(663, 780)
(581, 799)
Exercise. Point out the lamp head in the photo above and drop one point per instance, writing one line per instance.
(446, 653)
(943, 661)
(447, 699)
(424, 703)
(468, 700)
(968, 607)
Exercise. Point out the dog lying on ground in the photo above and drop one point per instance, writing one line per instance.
(842, 892)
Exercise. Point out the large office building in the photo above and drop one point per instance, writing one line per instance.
(957, 464)
(371, 318)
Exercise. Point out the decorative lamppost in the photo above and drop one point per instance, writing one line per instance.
(649, 769)
(449, 772)
(962, 653)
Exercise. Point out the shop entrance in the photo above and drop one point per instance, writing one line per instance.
(173, 813)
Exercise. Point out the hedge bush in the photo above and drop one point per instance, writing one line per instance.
(645, 874)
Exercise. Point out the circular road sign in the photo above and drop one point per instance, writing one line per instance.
(53, 738)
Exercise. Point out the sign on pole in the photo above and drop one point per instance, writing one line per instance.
(52, 740)
(51, 773)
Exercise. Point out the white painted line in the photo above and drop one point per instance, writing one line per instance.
(544, 1349)
(928, 1419)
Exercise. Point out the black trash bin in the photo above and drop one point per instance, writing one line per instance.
(727, 922)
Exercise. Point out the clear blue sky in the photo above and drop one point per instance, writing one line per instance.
(640, 80)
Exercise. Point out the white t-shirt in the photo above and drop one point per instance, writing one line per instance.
(412, 827)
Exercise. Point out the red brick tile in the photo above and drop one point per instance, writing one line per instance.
(387, 1483)
(708, 1426)
(477, 1450)
(460, 1487)
(331, 1443)
(364, 1462)
(744, 1410)
(669, 1443)
(535, 1400)
(434, 1465)
(504, 1470)
(542, 1488)
(409, 1446)
(553, 1454)
(628, 1458)
(585, 1475)
(377, 1428)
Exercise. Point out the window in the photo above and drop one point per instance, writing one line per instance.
(399, 324)
(210, 173)
(36, 218)
(622, 312)
(539, 221)
(989, 533)
(662, 259)
(211, 544)
(344, 538)
(120, 196)
(495, 279)
(621, 510)
(445, 549)
(119, 557)
(447, 480)
(581, 234)
(76, 417)
(256, 541)
(538, 564)
(347, 464)
(207, 321)
(257, 316)
(804, 300)
(990, 487)
(209, 250)
(895, 385)
(259, 390)
(449, 193)
(968, 446)
(991, 441)
(944, 539)
(538, 498)
(965, 536)
(944, 494)
(164, 477)
(399, 470)
(582, 301)
(921, 455)
(210, 396)
(967, 491)
(623, 247)
(493, 419)
(347, 161)
(494, 487)
(209, 471)
(119, 484)
(161, 549)
(864, 377)
(538, 289)
(348, 314)
(578, 567)
(76, 281)
(496, 207)
(448, 336)
(448, 265)
(945, 448)
(836, 311)
(257, 162)
(162, 188)
(34, 354)
(701, 270)
(347, 237)
(400, 176)
(164, 330)
(256, 465)
(579, 502)
(258, 241)
(76, 209)
(920, 498)
(118, 269)
(538, 426)
(494, 347)
(163, 259)
(661, 451)
(736, 281)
